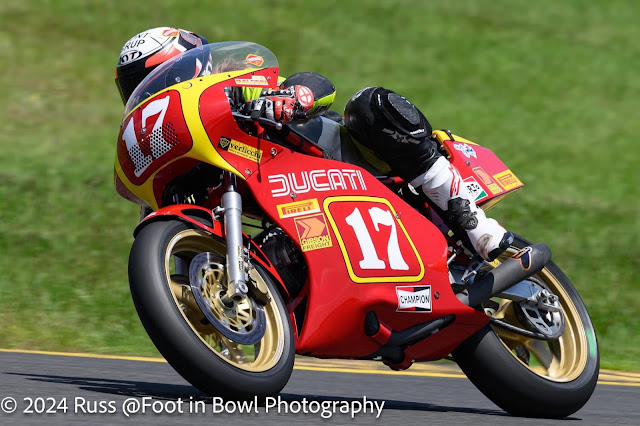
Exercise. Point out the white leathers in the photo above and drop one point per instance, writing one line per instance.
(442, 183)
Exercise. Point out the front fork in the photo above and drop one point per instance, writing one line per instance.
(237, 257)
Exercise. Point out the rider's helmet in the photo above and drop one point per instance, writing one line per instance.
(145, 51)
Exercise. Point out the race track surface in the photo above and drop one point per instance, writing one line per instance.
(430, 394)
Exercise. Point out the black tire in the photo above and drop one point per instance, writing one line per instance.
(521, 389)
(173, 331)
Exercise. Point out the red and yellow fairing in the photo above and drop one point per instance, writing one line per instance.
(170, 132)
(487, 178)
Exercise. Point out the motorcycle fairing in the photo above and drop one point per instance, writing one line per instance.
(186, 122)
(330, 209)
(487, 178)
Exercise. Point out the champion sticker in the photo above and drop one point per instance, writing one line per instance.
(414, 298)
(475, 190)
(313, 232)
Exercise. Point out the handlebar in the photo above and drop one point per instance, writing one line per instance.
(260, 120)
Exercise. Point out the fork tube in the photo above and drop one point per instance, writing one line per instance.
(236, 268)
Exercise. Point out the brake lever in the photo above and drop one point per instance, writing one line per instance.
(260, 120)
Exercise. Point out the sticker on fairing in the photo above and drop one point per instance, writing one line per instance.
(240, 149)
(414, 298)
(255, 80)
(486, 179)
(465, 149)
(507, 179)
(298, 208)
(475, 190)
(313, 232)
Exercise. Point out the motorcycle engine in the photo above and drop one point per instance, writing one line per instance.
(285, 257)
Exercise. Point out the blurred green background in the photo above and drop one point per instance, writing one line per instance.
(551, 87)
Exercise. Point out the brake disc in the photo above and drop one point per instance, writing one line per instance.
(243, 321)
(542, 315)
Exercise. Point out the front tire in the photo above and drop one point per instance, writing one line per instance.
(529, 377)
(193, 347)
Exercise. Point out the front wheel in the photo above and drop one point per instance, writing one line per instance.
(528, 376)
(204, 355)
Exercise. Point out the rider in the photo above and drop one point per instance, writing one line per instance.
(392, 134)
(148, 49)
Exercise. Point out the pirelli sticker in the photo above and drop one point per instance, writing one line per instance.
(508, 180)
(298, 208)
(313, 232)
(240, 149)
(486, 179)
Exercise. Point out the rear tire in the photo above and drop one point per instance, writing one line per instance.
(191, 345)
(499, 362)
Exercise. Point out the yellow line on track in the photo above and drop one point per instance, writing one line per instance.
(628, 378)
(84, 355)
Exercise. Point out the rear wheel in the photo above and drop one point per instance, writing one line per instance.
(201, 351)
(527, 375)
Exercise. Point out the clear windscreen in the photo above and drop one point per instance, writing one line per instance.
(209, 59)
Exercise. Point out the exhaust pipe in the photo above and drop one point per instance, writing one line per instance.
(525, 263)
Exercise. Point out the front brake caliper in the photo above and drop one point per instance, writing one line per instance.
(258, 290)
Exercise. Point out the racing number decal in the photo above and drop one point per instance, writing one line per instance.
(370, 257)
(154, 134)
(140, 160)
(373, 241)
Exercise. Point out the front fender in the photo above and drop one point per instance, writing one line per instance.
(203, 218)
(196, 215)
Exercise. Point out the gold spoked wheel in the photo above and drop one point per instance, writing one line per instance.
(559, 360)
(258, 357)
(528, 375)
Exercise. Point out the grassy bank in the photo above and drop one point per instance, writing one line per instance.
(551, 87)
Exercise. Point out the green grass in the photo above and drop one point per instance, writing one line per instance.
(552, 87)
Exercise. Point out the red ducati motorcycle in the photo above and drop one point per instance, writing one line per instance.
(345, 264)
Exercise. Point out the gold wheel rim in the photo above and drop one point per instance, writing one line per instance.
(561, 360)
(260, 357)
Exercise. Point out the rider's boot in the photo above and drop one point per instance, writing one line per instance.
(443, 185)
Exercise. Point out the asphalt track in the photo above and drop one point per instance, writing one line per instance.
(431, 394)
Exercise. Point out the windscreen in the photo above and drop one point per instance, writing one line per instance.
(209, 59)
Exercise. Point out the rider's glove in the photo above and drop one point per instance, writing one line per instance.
(283, 105)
